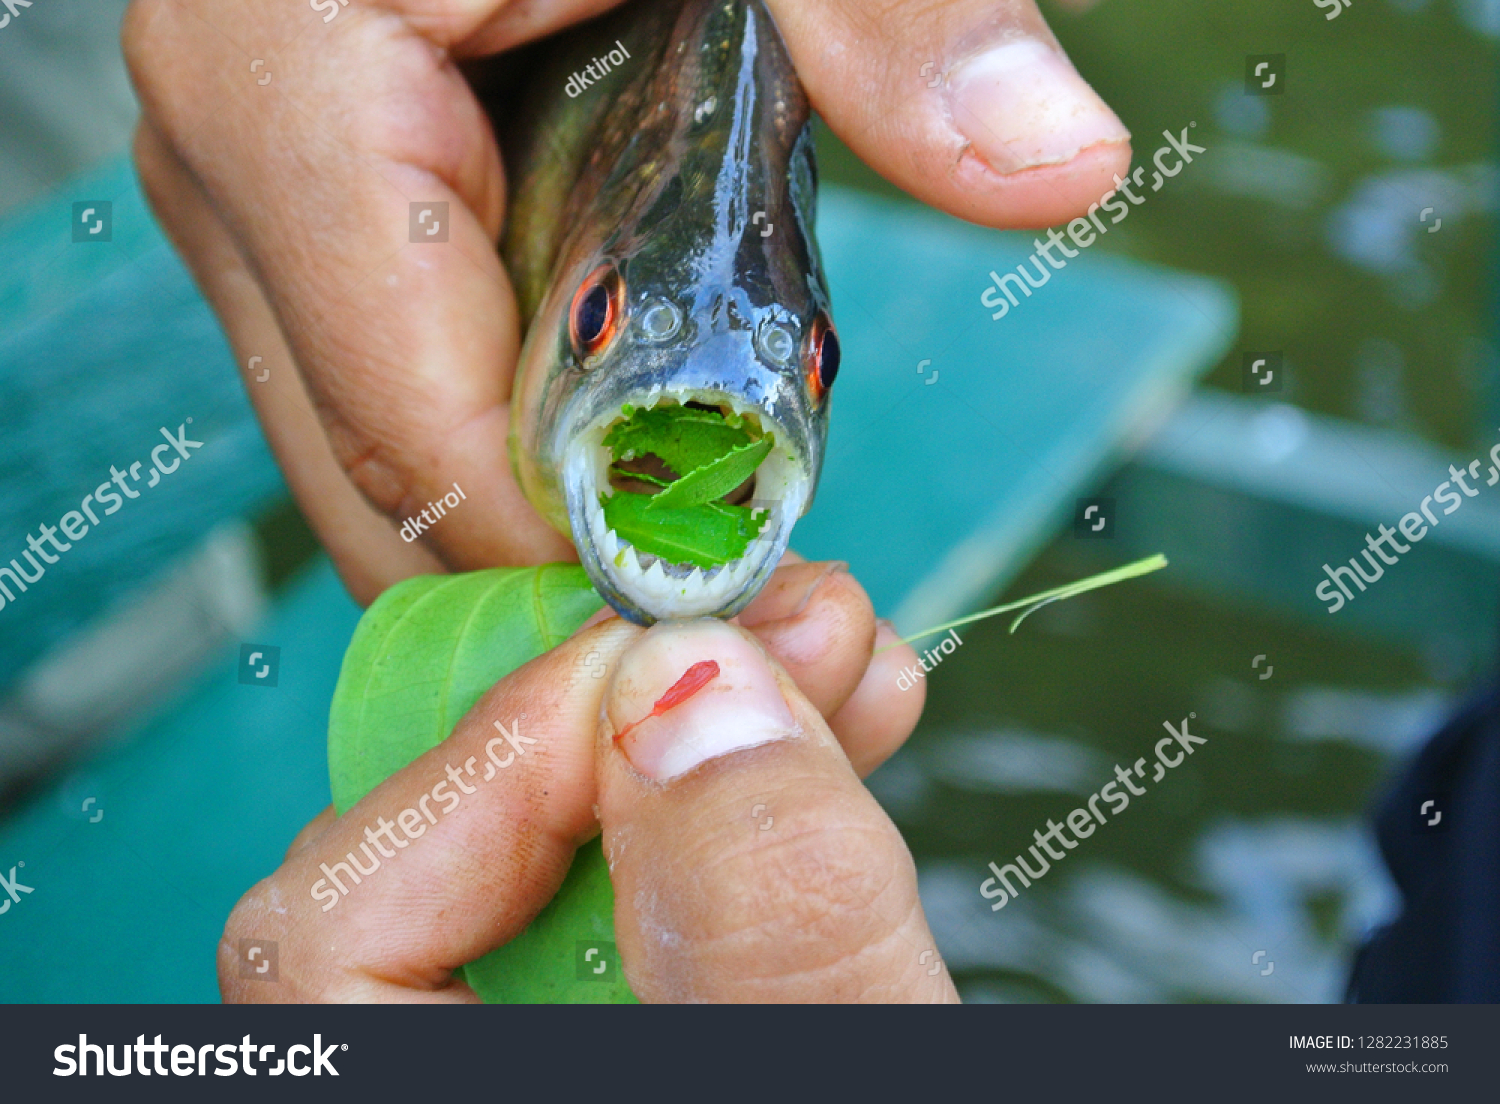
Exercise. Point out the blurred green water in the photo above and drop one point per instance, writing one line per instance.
(1311, 203)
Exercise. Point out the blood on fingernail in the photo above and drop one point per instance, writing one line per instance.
(695, 678)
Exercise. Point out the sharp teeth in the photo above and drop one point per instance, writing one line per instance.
(699, 591)
(742, 569)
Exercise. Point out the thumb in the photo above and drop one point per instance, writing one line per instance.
(749, 862)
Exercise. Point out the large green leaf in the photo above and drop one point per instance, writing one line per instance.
(422, 655)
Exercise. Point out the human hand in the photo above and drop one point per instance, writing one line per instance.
(812, 898)
(281, 153)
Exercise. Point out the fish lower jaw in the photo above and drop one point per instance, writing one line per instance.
(667, 590)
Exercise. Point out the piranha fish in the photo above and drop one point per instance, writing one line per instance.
(660, 240)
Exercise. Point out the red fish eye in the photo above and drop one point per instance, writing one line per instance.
(597, 306)
(823, 357)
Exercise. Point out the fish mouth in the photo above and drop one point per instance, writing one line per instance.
(646, 588)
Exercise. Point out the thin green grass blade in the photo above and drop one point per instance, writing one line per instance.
(1030, 605)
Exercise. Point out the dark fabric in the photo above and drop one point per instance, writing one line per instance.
(1445, 946)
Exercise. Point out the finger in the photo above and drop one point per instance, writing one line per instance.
(365, 546)
(311, 831)
(518, 23)
(818, 623)
(749, 863)
(969, 105)
(407, 348)
(474, 838)
(788, 589)
(884, 709)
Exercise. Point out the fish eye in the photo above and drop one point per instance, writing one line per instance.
(660, 320)
(823, 357)
(597, 307)
(776, 342)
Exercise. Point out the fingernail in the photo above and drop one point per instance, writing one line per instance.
(886, 635)
(739, 707)
(1022, 105)
(602, 615)
(790, 590)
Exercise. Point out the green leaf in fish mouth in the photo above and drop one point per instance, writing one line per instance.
(677, 472)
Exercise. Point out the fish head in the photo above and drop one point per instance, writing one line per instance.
(644, 320)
